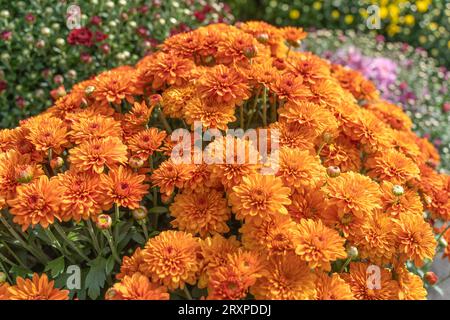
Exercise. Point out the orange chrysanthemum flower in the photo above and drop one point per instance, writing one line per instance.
(215, 251)
(290, 88)
(16, 169)
(4, 292)
(47, 133)
(80, 196)
(391, 114)
(237, 48)
(259, 196)
(285, 278)
(123, 187)
(137, 287)
(363, 289)
(146, 142)
(131, 265)
(114, 86)
(341, 153)
(309, 115)
(414, 238)
(170, 175)
(139, 114)
(94, 127)
(293, 135)
(210, 115)
(223, 85)
(232, 280)
(171, 259)
(410, 286)
(318, 245)
(39, 288)
(307, 203)
(36, 203)
(298, 168)
(293, 35)
(274, 236)
(164, 69)
(353, 193)
(94, 155)
(205, 212)
(375, 240)
(332, 287)
(392, 166)
(396, 204)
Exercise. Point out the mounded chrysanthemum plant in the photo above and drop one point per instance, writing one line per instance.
(135, 183)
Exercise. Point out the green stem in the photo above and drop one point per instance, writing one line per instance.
(164, 121)
(273, 109)
(442, 233)
(253, 108)
(62, 233)
(6, 272)
(93, 237)
(187, 293)
(116, 213)
(345, 264)
(39, 255)
(144, 228)
(3, 258)
(110, 239)
(11, 251)
(55, 243)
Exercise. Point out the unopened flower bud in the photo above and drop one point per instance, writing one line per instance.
(263, 37)
(57, 163)
(443, 242)
(431, 277)
(250, 52)
(398, 190)
(89, 90)
(209, 60)
(140, 213)
(327, 137)
(155, 99)
(352, 252)
(136, 162)
(104, 221)
(2, 277)
(24, 175)
(333, 171)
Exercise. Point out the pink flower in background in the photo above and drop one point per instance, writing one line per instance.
(3, 86)
(96, 20)
(30, 18)
(100, 36)
(6, 35)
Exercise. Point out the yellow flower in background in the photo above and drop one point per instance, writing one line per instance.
(317, 5)
(422, 39)
(410, 20)
(422, 5)
(433, 26)
(393, 29)
(294, 14)
(383, 12)
(335, 14)
(349, 19)
(448, 44)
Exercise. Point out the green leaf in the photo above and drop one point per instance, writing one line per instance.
(56, 267)
(159, 210)
(110, 264)
(17, 271)
(96, 277)
(138, 238)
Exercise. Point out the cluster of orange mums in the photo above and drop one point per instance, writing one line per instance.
(355, 187)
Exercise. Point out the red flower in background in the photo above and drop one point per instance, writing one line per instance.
(100, 36)
(81, 36)
(96, 20)
(6, 35)
(3, 86)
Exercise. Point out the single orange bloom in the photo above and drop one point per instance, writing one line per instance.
(114, 86)
(414, 238)
(411, 286)
(291, 88)
(39, 288)
(407, 203)
(223, 85)
(307, 203)
(215, 251)
(4, 293)
(205, 212)
(94, 127)
(259, 196)
(298, 168)
(341, 153)
(318, 245)
(285, 278)
(137, 287)
(170, 175)
(146, 142)
(46, 132)
(332, 287)
(363, 289)
(131, 265)
(94, 155)
(80, 195)
(36, 203)
(123, 187)
(393, 166)
(237, 48)
(293, 35)
(353, 193)
(171, 259)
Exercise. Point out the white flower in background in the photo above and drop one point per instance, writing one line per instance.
(46, 31)
(110, 4)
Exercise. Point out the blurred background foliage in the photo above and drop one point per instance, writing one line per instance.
(40, 57)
